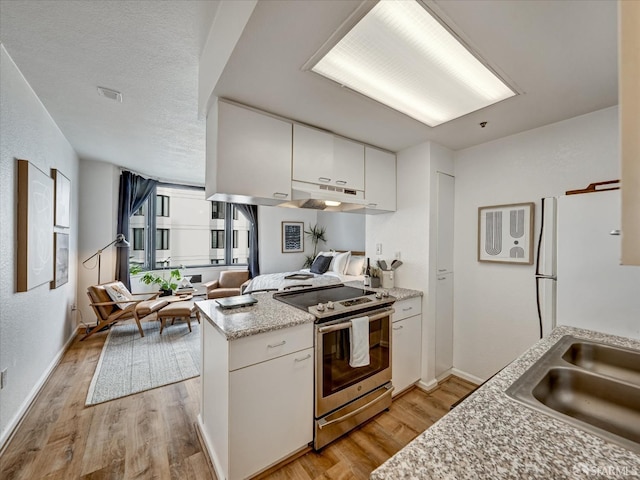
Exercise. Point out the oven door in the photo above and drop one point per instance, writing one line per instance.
(337, 383)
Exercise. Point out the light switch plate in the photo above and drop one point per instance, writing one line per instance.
(378, 249)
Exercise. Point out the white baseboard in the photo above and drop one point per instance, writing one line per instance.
(467, 376)
(14, 423)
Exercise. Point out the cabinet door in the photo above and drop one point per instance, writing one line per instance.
(348, 164)
(312, 155)
(270, 412)
(380, 180)
(445, 223)
(253, 154)
(406, 352)
(444, 323)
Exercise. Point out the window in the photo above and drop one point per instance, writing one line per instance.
(198, 233)
(162, 239)
(217, 210)
(217, 238)
(138, 238)
(162, 205)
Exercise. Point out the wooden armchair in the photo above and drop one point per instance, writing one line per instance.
(229, 284)
(109, 311)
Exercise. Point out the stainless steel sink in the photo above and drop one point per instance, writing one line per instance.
(590, 385)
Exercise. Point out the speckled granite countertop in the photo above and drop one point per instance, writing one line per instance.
(491, 436)
(399, 293)
(268, 314)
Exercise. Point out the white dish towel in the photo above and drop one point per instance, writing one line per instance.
(359, 336)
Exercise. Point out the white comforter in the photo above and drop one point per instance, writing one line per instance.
(279, 282)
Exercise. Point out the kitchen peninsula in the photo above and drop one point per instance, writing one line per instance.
(490, 435)
(257, 379)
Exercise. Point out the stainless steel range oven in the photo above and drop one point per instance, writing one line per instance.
(346, 396)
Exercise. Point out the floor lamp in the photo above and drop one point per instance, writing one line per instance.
(120, 242)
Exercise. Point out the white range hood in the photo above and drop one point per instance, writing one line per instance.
(324, 197)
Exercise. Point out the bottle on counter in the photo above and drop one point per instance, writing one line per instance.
(367, 274)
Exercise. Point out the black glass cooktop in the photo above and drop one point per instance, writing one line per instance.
(309, 297)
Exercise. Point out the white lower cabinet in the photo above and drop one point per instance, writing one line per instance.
(407, 344)
(257, 398)
(270, 412)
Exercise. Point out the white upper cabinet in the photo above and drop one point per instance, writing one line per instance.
(253, 158)
(322, 158)
(348, 163)
(380, 181)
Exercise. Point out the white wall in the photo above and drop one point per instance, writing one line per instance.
(270, 238)
(345, 231)
(36, 325)
(99, 183)
(494, 304)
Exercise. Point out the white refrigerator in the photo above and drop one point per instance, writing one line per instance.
(580, 281)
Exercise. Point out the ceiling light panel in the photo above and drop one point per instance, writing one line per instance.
(401, 56)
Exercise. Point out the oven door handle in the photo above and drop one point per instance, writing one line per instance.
(322, 423)
(343, 325)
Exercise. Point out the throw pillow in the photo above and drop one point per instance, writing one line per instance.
(321, 264)
(118, 293)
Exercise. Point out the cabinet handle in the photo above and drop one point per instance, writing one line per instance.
(372, 205)
(324, 179)
(407, 309)
(303, 358)
(274, 345)
(341, 182)
(614, 232)
(442, 278)
(399, 328)
(442, 269)
(280, 195)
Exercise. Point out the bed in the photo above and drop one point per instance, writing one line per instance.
(345, 266)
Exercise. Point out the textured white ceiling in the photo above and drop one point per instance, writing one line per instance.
(561, 54)
(148, 50)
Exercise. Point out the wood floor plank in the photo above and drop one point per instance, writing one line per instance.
(152, 435)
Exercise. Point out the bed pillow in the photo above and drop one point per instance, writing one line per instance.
(340, 262)
(321, 264)
(355, 266)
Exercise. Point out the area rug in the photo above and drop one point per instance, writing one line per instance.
(131, 364)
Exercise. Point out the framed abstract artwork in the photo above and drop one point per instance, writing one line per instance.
(292, 237)
(62, 199)
(35, 226)
(61, 261)
(505, 233)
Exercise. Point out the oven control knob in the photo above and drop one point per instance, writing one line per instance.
(385, 293)
(330, 305)
(378, 295)
(320, 307)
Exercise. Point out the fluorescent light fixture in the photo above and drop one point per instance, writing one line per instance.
(332, 203)
(400, 55)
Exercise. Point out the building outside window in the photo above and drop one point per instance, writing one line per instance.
(184, 234)
(217, 238)
(162, 205)
(138, 238)
(217, 210)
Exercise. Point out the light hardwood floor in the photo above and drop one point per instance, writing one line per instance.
(152, 434)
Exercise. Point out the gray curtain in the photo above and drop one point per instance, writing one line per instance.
(251, 212)
(134, 190)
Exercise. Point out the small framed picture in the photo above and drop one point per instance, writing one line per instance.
(505, 233)
(61, 253)
(292, 237)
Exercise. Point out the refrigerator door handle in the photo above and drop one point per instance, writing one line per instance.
(547, 277)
